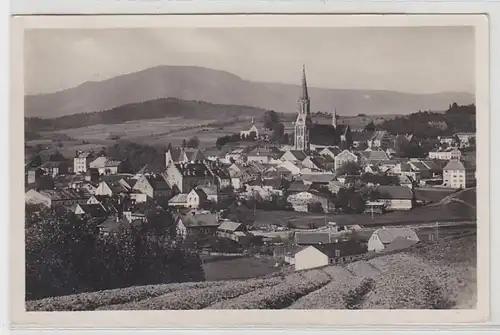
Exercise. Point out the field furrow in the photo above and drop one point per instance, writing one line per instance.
(280, 296)
(197, 298)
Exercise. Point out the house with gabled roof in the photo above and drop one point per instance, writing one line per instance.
(81, 161)
(328, 254)
(186, 176)
(383, 237)
(294, 167)
(445, 153)
(293, 156)
(53, 198)
(371, 156)
(459, 174)
(395, 197)
(154, 186)
(262, 155)
(92, 210)
(233, 230)
(330, 151)
(175, 155)
(196, 224)
(344, 157)
(252, 131)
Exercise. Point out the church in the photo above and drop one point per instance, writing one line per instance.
(307, 133)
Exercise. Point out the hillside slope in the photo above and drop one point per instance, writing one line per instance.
(439, 275)
(152, 109)
(220, 87)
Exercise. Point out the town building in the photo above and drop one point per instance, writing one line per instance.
(459, 174)
(251, 132)
(196, 224)
(383, 237)
(344, 157)
(81, 161)
(186, 176)
(53, 198)
(395, 198)
(154, 186)
(445, 153)
(234, 231)
(327, 254)
(465, 139)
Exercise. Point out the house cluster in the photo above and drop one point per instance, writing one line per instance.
(326, 247)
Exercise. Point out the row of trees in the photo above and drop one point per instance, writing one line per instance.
(67, 254)
(429, 124)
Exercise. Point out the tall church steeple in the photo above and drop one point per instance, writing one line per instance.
(303, 122)
(304, 102)
(304, 95)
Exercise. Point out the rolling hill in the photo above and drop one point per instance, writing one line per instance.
(429, 275)
(219, 87)
(152, 109)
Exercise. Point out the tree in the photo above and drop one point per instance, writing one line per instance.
(67, 254)
(193, 142)
(315, 207)
(270, 119)
(349, 168)
(370, 126)
(286, 138)
(184, 143)
(278, 131)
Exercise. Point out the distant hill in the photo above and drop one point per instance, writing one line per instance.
(153, 109)
(220, 87)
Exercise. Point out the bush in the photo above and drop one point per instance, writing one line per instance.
(66, 254)
(355, 297)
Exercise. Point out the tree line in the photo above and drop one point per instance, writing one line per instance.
(67, 254)
(428, 124)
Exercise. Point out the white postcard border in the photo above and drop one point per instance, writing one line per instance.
(280, 318)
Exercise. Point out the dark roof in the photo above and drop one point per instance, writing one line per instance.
(264, 151)
(456, 164)
(175, 153)
(197, 169)
(312, 238)
(199, 220)
(94, 210)
(53, 164)
(374, 155)
(394, 192)
(399, 243)
(298, 154)
(324, 178)
(361, 136)
(112, 225)
(346, 248)
(218, 170)
(194, 154)
(66, 194)
(388, 235)
(298, 186)
(158, 183)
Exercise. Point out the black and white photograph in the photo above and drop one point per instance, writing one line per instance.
(251, 168)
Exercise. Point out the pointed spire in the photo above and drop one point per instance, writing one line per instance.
(304, 94)
(252, 121)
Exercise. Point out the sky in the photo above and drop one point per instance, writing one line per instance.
(406, 59)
